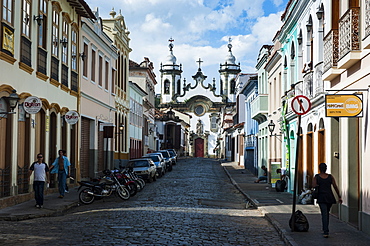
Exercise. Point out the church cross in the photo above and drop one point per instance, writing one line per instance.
(199, 61)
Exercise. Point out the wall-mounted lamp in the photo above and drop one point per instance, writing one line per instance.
(39, 19)
(271, 127)
(12, 101)
(299, 38)
(83, 56)
(120, 129)
(320, 12)
(26, 19)
(55, 42)
(64, 42)
(239, 130)
(309, 25)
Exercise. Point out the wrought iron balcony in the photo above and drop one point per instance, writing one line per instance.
(331, 50)
(308, 84)
(349, 38)
(319, 84)
(367, 25)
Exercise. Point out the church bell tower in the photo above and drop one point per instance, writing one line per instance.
(228, 73)
(170, 77)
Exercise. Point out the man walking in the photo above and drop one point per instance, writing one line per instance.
(61, 166)
(41, 175)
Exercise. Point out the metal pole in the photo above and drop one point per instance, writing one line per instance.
(296, 173)
(106, 153)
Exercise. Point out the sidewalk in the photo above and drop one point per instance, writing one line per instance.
(52, 206)
(277, 208)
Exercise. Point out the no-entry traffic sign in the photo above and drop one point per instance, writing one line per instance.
(301, 105)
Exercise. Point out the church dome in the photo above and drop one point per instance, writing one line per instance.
(171, 59)
(230, 58)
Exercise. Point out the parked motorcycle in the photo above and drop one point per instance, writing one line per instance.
(140, 183)
(104, 187)
(126, 181)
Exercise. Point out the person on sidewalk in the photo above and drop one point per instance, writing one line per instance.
(61, 165)
(264, 176)
(41, 175)
(325, 198)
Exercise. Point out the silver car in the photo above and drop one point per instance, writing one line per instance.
(145, 168)
(159, 162)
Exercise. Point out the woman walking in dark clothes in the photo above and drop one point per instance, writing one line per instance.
(325, 197)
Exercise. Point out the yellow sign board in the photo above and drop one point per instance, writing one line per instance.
(8, 40)
(343, 105)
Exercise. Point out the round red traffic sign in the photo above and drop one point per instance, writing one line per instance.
(301, 105)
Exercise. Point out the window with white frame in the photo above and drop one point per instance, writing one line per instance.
(55, 33)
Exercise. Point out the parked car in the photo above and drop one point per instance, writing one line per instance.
(173, 155)
(144, 168)
(159, 162)
(167, 157)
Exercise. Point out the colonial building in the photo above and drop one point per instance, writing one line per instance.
(38, 57)
(143, 75)
(137, 95)
(97, 106)
(200, 101)
(259, 106)
(115, 28)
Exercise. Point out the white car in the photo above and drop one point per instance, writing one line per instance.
(159, 162)
(145, 168)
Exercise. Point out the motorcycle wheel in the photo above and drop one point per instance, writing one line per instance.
(138, 186)
(122, 192)
(142, 182)
(85, 197)
(133, 189)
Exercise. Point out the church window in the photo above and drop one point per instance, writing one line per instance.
(166, 87)
(179, 87)
(199, 110)
(232, 86)
(214, 122)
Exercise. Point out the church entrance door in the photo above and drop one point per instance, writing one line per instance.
(199, 147)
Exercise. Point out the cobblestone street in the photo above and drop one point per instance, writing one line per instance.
(195, 204)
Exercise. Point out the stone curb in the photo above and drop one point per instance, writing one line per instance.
(282, 232)
(46, 213)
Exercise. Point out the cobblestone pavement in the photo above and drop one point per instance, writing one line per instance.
(195, 204)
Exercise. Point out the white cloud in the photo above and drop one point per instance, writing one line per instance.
(201, 29)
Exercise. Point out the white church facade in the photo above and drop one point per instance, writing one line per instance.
(202, 101)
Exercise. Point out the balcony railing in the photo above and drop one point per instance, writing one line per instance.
(331, 49)
(308, 84)
(367, 18)
(259, 106)
(250, 141)
(319, 84)
(349, 32)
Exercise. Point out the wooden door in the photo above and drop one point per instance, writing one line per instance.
(310, 160)
(199, 147)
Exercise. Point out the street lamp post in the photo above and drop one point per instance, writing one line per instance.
(120, 128)
(271, 127)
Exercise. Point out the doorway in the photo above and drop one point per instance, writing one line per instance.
(199, 147)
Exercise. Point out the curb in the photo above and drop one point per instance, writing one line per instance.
(46, 213)
(288, 240)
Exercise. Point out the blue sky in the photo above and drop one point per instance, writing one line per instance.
(200, 28)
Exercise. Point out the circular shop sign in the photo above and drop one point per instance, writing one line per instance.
(71, 117)
(32, 105)
(301, 105)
